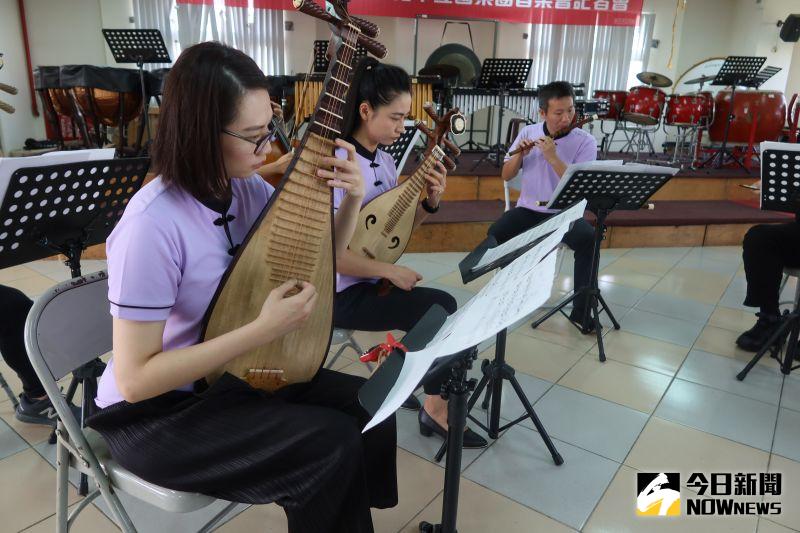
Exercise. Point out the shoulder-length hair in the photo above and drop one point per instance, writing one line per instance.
(201, 97)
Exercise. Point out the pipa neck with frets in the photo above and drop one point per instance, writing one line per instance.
(413, 189)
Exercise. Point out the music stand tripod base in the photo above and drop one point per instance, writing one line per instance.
(604, 191)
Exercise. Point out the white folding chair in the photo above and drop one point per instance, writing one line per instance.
(69, 326)
(514, 183)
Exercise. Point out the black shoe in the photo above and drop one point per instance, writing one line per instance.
(412, 404)
(756, 337)
(428, 426)
(576, 316)
(39, 412)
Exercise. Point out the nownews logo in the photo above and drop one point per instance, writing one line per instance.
(659, 494)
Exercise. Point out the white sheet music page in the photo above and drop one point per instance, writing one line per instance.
(515, 292)
(551, 224)
(8, 165)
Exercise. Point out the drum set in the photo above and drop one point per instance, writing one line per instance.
(637, 114)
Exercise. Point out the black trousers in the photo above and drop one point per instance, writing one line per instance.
(14, 308)
(361, 307)
(301, 447)
(580, 238)
(766, 250)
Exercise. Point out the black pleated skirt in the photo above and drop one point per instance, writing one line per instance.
(301, 447)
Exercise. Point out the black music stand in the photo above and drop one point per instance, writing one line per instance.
(455, 390)
(401, 148)
(65, 209)
(604, 192)
(497, 370)
(759, 78)
(502, 74)
(736, 70)
(780, 191)
(321, 60)
(140, 47)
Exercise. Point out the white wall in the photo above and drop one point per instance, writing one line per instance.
(15, 128)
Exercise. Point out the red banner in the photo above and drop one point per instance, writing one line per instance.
(577, 12)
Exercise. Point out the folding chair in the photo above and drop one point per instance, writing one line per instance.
(69, 326)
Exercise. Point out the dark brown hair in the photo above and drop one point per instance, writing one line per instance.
(201, 96)
(554, 90)
(376, 83)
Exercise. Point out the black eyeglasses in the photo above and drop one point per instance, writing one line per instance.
(261, 142)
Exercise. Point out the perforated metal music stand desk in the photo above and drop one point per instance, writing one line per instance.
(321, 60)
(502, 74)
(604, 191)
(140, 47)
(761, 77)
(64, 209)
(735, 71)
(402, 147)
(780, 191)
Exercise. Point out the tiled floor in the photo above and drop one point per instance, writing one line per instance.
(665, 400)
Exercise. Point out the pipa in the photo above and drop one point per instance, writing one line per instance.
(293, 236)
(386, 222)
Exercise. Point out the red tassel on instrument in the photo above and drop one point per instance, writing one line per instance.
(376, 353)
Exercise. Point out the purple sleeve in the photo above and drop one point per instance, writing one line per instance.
(338, 194)
(587, 150)
(143, 270)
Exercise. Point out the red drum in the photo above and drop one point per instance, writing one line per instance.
(616, 103)
(693, 109)
(644, 105)
(766, 108)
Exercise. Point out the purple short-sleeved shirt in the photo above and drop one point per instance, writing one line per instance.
(380, 175)
(166, 258)
(538, 178)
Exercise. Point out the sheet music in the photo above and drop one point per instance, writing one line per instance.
(567, 216)
(514, 293)
(8, 165)
(612, 166)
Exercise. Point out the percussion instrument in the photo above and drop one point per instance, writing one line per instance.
(689, 109)
(699, 81)
(292, 239)
(616, 103)
(305, 99)
(654, 79)
(766, 108)
(644, 105)
(385, 223)
(59, 106)
(471, 99)
(106, 96)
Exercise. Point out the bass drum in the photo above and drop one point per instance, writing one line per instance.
(766, 108)
(689, 109)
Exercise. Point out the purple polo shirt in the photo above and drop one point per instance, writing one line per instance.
(166, 258)
(538, 178)
(380, 175)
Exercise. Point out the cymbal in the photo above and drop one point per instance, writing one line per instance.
(701, 79)
(654, 78)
